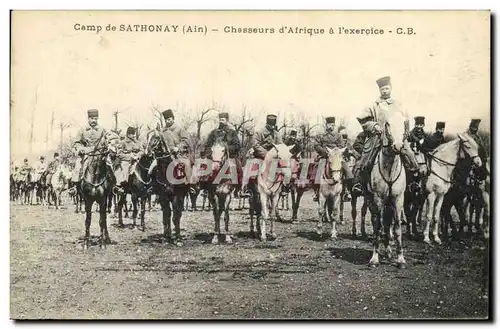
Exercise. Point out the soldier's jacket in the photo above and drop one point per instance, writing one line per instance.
(40, 167)
(391, 111)
(88, 137)
(52, 166)
(24, 170)
(482, 152)
(416, 138)
(226, 135)
(175, 136)
(330, 139)
(265, 138)
(432, 141)
(129, 148)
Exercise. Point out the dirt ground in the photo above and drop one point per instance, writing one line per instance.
(299, 275)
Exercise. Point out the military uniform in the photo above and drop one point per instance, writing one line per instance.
(86, 141)
(52, 166)
(225, 134)
(265, 138)
(417, 136)
(482, 172)
(24, 170)
(373, 120)
(40, 168)
(175, 138)
(129, 153)
(434, 140)
(292, 139)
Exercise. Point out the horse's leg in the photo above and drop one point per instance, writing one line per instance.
(364, 210)
(437, 218)
(375, 207)
(446, 217)
(143, 201)
(274, 214)
(227, 200)
(321, 212)
(431, 198)
(119, 208)
(264, 215)
(88, 219)
(135, 201)
(486, 214)
(167, 214)
(102, 222)
(333, 213)
(177, 215)
(354, 213)
(296, 202)
(213, 200)
(398, 233)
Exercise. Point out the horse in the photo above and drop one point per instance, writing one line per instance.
(219, 189)
(96, 185)
(385, 195)
(268, 188)
(171, 194)
(140, 188)
(58, 183)
(329, 190)
(442, 161)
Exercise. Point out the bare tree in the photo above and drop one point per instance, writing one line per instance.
(32, 125)
(62, 126)
(158, 115)
(202, 119)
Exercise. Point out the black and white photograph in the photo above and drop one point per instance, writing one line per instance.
(250, 165)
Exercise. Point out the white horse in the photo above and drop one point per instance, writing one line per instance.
(330, 189)
(269, 185)
(443, 160)
(59, 182)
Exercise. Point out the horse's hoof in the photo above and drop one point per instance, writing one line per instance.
(373, 264)
(263, 238)
(215, 239)
(401, 266)
(364, 235)
(228, 239)
(179, 243)
(274, 236)
(428, 241)
(437, 240)
(354, 233)
(333, 236)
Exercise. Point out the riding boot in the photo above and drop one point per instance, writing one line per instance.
(347, 187)
(152, 167)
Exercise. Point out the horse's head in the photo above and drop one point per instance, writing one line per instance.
(154, 143)
(469, 147)
(282, 153)
(334, 158)
(219, 152)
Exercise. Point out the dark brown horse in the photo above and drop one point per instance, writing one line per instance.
(171, 193)
(96, 185)
(140, 188)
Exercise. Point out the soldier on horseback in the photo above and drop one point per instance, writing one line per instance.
(225, 133)
(436, 139)
(263, 141)
(129, 152)
(330, 139)
(384, 110)
(175, 138)
(87, 139)
(480, 172)
(51, 167)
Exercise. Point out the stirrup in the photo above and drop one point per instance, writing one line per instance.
(347, 197)
(357, 189)
(244, 194)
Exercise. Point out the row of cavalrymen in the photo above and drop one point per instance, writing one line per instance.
(384, 110)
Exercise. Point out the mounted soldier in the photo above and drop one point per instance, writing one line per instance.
(384, 110)
(87, 139)
(416, 138)
(481, 172)
(262, 142)
(329, 139)
(129, 152)
(436, 139)
(24, 170)
(52, 166)
(40, 169)
(225, 134)
(175, 138)
(292, 139)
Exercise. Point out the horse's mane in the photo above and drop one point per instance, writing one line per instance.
(445, 145)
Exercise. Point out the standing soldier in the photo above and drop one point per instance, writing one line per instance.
(86, 140)
(329, 139)
(225, 133)
(384, 110)
(130, 149)
(176, 140)
(436, 139)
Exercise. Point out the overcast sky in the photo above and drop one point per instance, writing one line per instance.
(441, 72)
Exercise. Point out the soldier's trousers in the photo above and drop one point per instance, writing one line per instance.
(81, 164)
